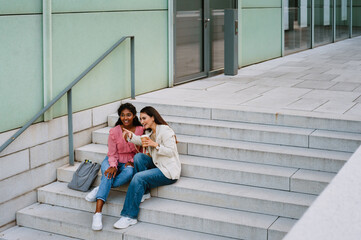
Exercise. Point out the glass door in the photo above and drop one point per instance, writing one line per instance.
(189, 40)
(199, 38)
(216, 32)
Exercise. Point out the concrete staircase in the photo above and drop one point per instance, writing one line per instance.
(244, 177)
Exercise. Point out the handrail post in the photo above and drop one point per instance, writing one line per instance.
(70, 128)
(132, 72)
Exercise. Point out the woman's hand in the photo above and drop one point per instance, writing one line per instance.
(147, 142)
(110, 172)
(127, 134)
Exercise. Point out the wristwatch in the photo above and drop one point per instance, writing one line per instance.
(157, 147)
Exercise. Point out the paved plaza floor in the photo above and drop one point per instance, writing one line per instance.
(324, 81)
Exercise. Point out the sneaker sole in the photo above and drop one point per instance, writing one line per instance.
(97, 229)
(130, 224)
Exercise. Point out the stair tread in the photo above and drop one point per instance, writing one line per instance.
(175, 207)
(24, 233)
(237, 125)
(244, 191)
(82, 220)
(256, 146)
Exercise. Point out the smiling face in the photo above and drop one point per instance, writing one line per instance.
(127, 118)
(147, 121)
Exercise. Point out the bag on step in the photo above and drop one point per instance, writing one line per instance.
(84, 176)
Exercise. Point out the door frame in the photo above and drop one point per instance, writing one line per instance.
(172, 11)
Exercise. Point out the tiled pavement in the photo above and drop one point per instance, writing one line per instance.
(325, 81)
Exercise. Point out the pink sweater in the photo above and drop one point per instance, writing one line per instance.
(119, 150)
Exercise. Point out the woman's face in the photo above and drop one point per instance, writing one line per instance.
(127, 118)
(146, 121)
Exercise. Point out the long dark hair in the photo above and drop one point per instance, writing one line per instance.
(132, 109)
(151, 112)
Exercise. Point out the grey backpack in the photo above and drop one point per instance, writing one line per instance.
(84, 176)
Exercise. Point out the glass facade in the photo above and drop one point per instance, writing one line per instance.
(297, 25)
(199, 37)
(310, 23)
(342, 19)
(189, 38)
(323, 22)
(217, 32)
(356, 18)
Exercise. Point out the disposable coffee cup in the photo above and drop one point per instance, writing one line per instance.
(142, 138)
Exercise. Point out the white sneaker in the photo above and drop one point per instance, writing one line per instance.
(97, 222)
(145, 197)
(125, 222)
(91, 197)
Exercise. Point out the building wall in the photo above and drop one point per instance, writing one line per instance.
(32, 159)
(260, 30)
(81, 32)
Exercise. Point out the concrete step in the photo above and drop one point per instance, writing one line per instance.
(239, 197)
(260, 175)
(233, 196)
(287, 156)
(235, 130)
(280, 135)
(253, 174)
(250, 115)
(177, 214)
(24, 233)
(76, 223)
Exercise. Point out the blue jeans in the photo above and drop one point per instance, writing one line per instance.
(124, 175)
(147, 176)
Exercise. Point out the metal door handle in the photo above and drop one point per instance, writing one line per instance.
(206, 20)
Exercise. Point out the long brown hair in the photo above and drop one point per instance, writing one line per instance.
(151, 112)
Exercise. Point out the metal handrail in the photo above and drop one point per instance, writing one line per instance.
(68, 90)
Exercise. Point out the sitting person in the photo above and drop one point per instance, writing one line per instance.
(159, 166)
(117, 167)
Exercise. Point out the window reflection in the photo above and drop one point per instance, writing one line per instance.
(323, 21)
(297, 25)
(189, 38)
(356, 18)
(342, 19)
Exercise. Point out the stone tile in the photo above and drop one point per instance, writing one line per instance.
(254, 90)
(291, 69)
(271, 101)
(319, 69)
(100, 114)
(338, 107)
(82, 120)
(22, 183)
(345, 86)
(228, 87)
(286, 92)
(48, 152)
(355, 110)
(357, 89)
(8, 209)
(271, 74)
(200, 84)
(349, 77)
(319, 76)
(332, 95)
(306, 104)
(293, 75)
(223, 98)
(315, 84)
(14, 163)
(277, 82)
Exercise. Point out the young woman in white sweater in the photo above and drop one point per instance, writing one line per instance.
(159, 166)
